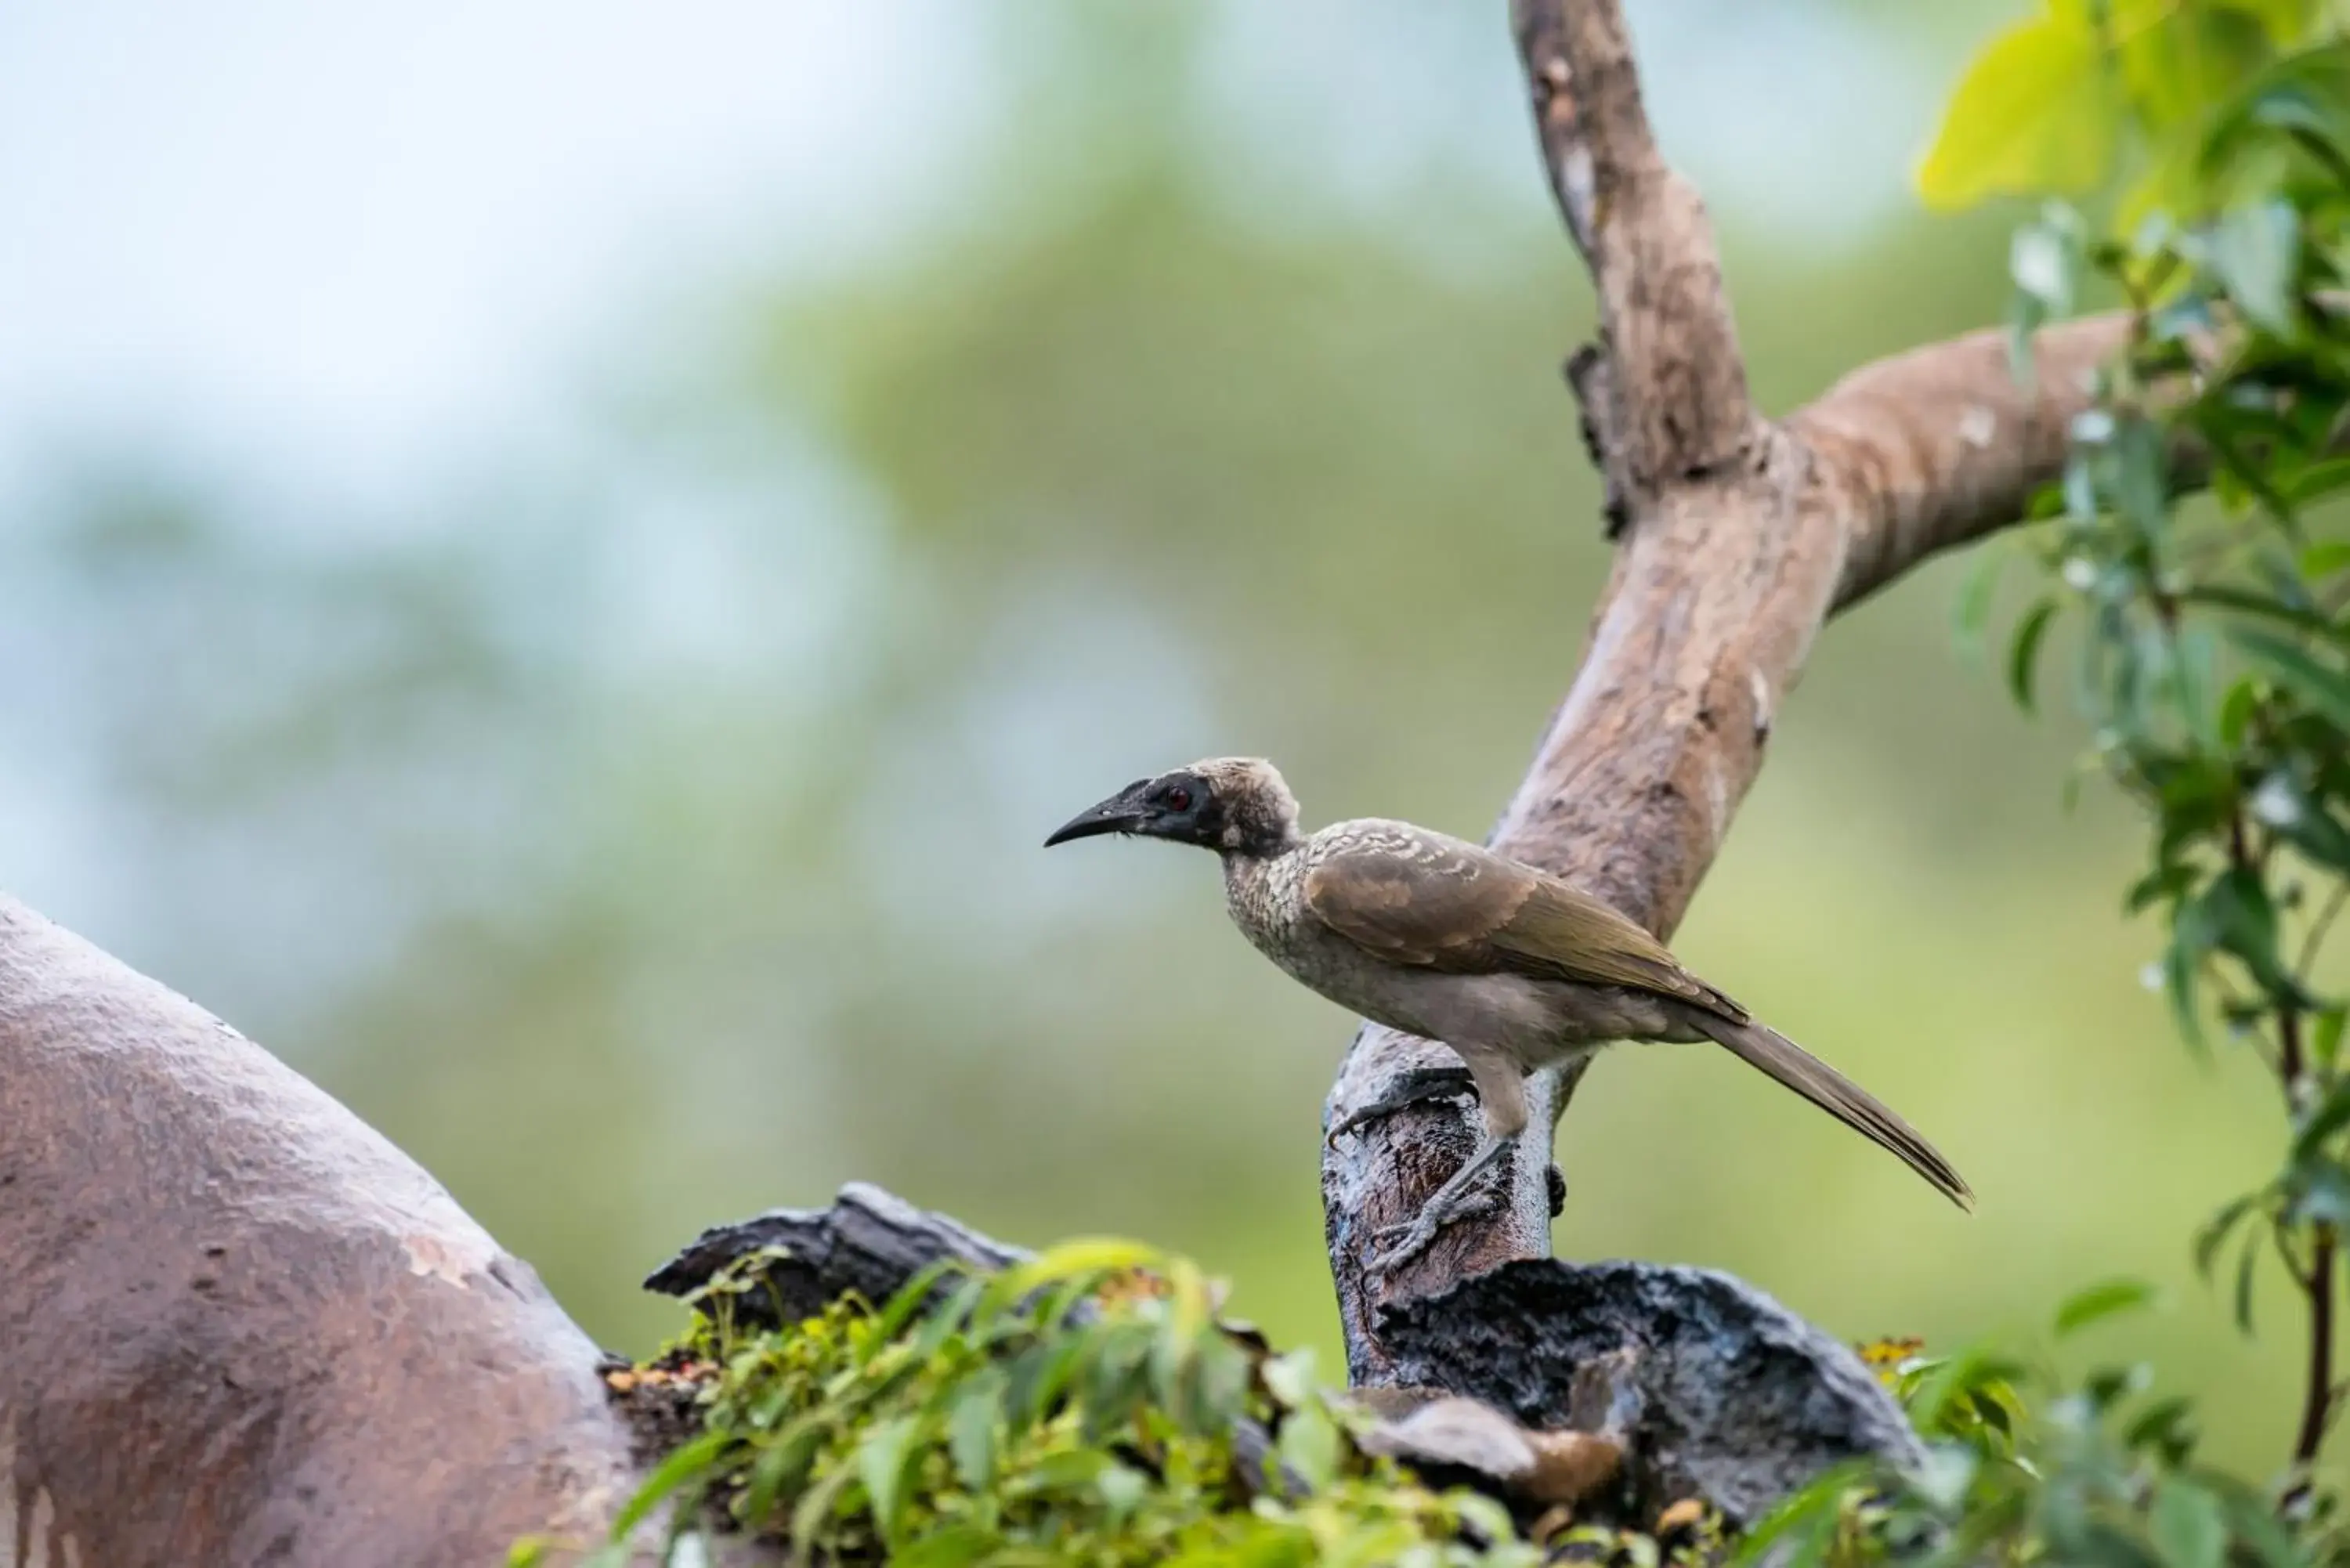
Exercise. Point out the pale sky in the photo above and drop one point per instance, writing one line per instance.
(342, 241)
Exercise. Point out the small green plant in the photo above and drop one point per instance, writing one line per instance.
(1083, 1407)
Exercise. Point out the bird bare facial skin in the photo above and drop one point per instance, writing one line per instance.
(1233, 805)
(1178, 806)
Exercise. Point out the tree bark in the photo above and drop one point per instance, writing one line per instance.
(1740, 536)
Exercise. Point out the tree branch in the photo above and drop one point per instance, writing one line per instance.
(1742, 537)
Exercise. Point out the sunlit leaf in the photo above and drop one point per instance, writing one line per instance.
(2030, 115)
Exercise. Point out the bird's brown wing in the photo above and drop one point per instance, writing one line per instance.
(1414, 897)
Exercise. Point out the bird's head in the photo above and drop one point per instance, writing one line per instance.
(1234, 806)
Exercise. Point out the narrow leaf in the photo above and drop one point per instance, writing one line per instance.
(2322, 689)
(2109, 1298)
(2213, 1233)
(688, 1463)
(2023, 655)
(881, 1466)
(970, 1429)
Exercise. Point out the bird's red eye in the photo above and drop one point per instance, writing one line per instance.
(1179, 799)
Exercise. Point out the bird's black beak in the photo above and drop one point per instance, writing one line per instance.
(1121, 813)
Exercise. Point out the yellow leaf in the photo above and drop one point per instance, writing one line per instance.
(2030, 116)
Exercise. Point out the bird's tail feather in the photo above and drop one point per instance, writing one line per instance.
(1799, 1070)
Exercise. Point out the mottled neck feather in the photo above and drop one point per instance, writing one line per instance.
(1260, 824)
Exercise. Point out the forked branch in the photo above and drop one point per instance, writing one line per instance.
(1740, 537)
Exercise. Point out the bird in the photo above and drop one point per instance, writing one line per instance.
(1511, 969)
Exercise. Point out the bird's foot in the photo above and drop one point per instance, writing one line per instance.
(1399, 1244)
(1463, 1197)
(1414, 1086)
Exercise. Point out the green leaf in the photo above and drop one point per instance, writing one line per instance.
(2164, 884)
(956, 1546)
(2023, 655)
(689, 1463)
(782, 1465)
(2167, 1427)
(2239, 917)
(2213, 1234)
(910, 1299)
(2325, 689)
(2320, 1193)
(951, 1316)
(2320, 687)
(2327, 556)
(2178, 962)
(2221, 596)
(2107, 1299)
(970, 1429)
(2141, 483)
(2312, 482)
(2256, 250)
(1803, 1516)
(2180, 60)
(1944, 1387)
(1970, 613)
(1123, 1489)
(881, 1462)
(2326, 1037)
(1309, 1445)
(1063, 1470)
(2244, 1265)
(2029, 115)
(2186, 1525)
(815, 1509)
(2236, 713)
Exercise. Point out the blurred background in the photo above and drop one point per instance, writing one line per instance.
(557, 563)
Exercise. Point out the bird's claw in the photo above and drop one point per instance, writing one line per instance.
(1417, 1086)
(1399, 1244)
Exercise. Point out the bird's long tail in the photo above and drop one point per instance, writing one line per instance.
(1799, 1070)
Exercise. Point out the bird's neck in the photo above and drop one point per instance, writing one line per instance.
(1259, 887)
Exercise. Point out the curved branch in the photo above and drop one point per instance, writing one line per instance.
(1742, 537)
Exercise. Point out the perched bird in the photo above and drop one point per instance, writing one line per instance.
(1510, 968)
